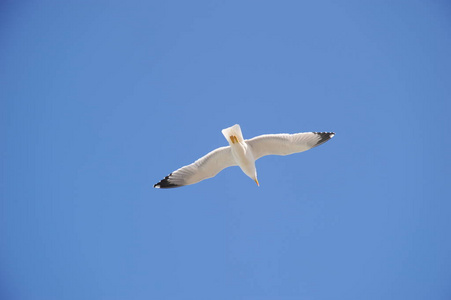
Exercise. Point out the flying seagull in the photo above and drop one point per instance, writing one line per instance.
(242, 153)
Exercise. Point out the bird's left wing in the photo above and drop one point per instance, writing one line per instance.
(284, 144)
(205, 167)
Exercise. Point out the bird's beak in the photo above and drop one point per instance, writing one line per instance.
(256, 181)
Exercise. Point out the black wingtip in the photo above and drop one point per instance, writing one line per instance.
(165, 183)
(324, 137)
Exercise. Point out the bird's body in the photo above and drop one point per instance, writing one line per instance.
(242, 153)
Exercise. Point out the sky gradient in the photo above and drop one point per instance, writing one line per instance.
(102, 99)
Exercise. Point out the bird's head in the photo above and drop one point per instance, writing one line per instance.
(254, 177)
(256, 181)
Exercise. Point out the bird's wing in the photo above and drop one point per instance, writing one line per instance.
(205, 167)
(284, 144)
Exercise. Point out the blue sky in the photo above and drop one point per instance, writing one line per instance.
(102, 99)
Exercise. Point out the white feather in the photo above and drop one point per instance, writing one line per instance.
(205, 167)
(284, 144)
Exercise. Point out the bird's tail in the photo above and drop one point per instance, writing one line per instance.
(233, 134)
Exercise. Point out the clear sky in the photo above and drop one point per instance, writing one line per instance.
(102, 99)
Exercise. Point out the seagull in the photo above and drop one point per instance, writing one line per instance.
(242, 153)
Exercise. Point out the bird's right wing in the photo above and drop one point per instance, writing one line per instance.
(205, 167)
(284, 144)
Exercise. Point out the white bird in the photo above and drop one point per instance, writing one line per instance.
(242, 153)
